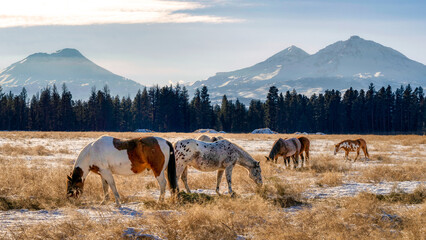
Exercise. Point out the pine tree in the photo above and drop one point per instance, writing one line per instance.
(271, 108)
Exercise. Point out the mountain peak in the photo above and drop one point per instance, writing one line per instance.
(63, 53)
(355, 37)
(68, 66)
(289, 54)
(67, 52)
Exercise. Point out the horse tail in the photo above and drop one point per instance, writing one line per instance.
(171, 168)
(308, 144)
(366, 151)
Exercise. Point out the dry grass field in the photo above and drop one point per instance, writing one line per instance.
(383, 198)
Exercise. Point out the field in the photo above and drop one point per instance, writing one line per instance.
(383, 198)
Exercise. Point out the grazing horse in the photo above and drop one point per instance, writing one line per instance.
(285, 148)
(206, 138)
(305, 144)
(108, 155)
(352, 146)
(207, 157)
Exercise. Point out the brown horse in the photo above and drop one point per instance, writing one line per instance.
(352, 146)
(285, 148)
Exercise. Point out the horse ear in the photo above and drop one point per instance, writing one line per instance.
(267, 158)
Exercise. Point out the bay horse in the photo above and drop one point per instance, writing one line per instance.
(206, 138)
(352, 146)
(285, 148)
(220, 156)
(107, 156)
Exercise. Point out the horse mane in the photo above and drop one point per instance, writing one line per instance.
(340, 143)
(125, 144)
(242, 151)
(275, 148)
(83, 154)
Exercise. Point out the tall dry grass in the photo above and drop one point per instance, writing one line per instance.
(262, 213)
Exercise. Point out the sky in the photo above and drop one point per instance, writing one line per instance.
(161, 42)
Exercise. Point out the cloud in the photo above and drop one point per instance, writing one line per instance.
(26, 13)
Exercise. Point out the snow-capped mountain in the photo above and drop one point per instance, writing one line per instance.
(67, 66)
(352, 63)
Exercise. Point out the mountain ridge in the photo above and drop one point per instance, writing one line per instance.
(354, 62)
(67, 66)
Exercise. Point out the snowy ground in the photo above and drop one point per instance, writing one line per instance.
(18, 218)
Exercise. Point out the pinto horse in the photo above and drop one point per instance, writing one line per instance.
(206, 138)
(207, 157)
(107, 156)
(285, 148)
(352, 146)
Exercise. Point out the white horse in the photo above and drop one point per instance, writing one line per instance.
(207, 157)
(206, 138)
(107, 156)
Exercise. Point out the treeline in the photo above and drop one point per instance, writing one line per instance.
(170, 109)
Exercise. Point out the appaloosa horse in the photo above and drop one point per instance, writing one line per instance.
(206, 138)
(352, 146)
(107, 156)
(285, 148)
(207, 157)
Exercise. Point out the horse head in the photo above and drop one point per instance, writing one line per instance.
(255, 173)
(75, 184)
(336, 148)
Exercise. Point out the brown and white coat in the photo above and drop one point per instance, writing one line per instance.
(107, 156)
(352, 146)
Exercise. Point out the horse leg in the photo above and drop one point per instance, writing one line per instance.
(295, 160)
(180, 168)
(161, 179)
(357, 154)
(219, 179)
(105, 188)
(107, 175)
(185, 179)
(365, 154)
(307, 156)
(228, 173)
(302, 158)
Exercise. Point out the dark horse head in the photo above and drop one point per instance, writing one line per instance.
(276, 147)
(75, 183)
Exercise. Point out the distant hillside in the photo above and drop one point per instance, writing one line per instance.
(352, 63)
(64, 66)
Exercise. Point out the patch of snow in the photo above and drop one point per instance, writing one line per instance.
(207, 130)
(353, 189)
(144, 130)
(263, 131)
(226, 83)
(378, 74)
(266, 76)
(362, 75)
